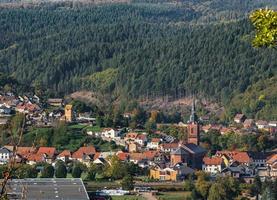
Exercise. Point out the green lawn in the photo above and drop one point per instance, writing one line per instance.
(77, 126)
(94, 128)
(172, 195)
(127, 197)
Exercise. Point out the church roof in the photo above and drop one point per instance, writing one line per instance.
(193, 148)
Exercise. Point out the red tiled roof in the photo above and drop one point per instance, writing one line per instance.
(272, 159)
(49, 151)
(150, 154)
(38, 157)
(212, 161)
(90, 150)
(65, 153)
(242, 157)
(170, 145)
(25, 151)
(123, 156)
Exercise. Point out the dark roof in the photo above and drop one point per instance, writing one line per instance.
(47, 188)
(4, 150)
(258, 155)
(193, 148)
(179, 151)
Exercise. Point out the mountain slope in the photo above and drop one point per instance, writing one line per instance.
(138, 49)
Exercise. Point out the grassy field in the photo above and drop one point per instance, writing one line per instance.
(131, 197)
(172, 195)
(93, 185)
(94, 128)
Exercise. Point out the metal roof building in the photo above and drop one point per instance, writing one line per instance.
(47, 188)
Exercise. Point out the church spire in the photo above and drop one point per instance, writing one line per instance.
(193, 116)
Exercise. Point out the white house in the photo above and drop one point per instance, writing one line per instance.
(212, 165)
(154, 143)
(272, 123)
(5, 155)
(261, 124)
(110, 133)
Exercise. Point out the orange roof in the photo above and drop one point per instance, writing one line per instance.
(49, 151)
(170, 145)
(123, 156)
(131, 135)
(96, 155)
(156, 140)
(242, 157)
(150, 154)
(90, 150)
(38, 157)
(212, 161)
(65, 153)
(25, 151)
(272, 159)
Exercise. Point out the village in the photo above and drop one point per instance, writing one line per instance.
(162, 157)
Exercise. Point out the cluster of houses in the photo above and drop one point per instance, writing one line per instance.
(243, 165)
(36, 111)
(167, 158)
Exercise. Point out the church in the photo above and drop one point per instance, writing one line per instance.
(189, 151)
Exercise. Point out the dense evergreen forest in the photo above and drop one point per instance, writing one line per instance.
(136, 49)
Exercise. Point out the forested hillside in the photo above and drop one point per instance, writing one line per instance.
(136, 49)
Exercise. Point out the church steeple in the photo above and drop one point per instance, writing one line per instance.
(193, 117)
(193, 126)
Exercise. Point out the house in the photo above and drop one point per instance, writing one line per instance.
(225, 130)
(154, 144)
(123, 156)
(132, 147)
(100, 161)
(130, 136)
(212, 165)
(235, 172)
(55, 102)
(65, 156)
(229, 157)
(5, 110)
(175, 173)
(27, 107)
(49, 153)
(261, 124)
(110, 133)
(169, 147)
(5, 155)
(258, 158)
(239, 118)
(141, 139)
(206, 128)
(147, 155)
(272, 165)
(272, 123)
(84, 154)
(248, 123)
(35, 158)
